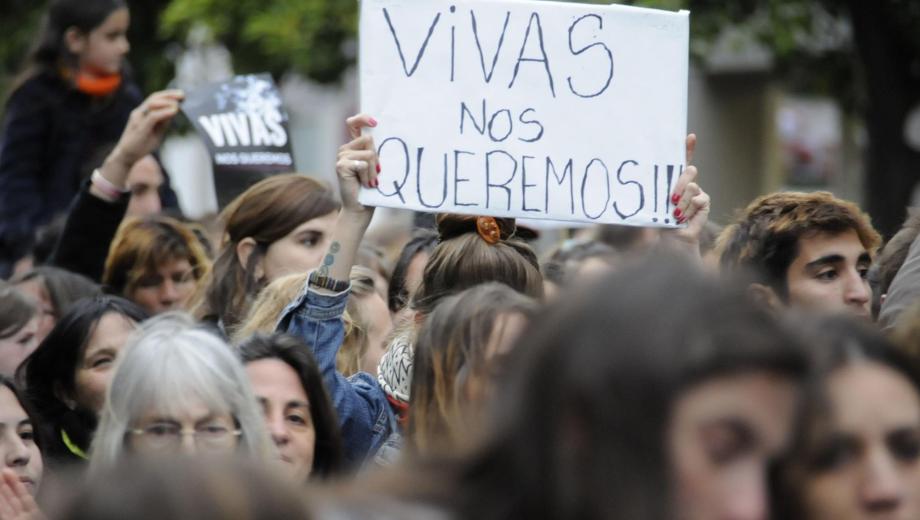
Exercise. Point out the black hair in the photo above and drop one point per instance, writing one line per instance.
(30, 412)
(327, 458)
(49, 51)
(422, 241)
(50, 371)
(836, 342)
(563, 265)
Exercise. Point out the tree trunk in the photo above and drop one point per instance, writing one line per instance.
(892, 168)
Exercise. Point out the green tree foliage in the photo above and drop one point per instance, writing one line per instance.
(311, 37)
(17, 25)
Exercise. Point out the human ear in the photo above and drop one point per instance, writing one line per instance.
(64, 396)
(244, 250)
(74, 40)
(765, 296)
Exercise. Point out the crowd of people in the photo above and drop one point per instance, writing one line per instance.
(289, 365)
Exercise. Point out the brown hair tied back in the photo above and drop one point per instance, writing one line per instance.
(493, 230)
(475, 250)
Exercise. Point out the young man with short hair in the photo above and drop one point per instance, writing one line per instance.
(810, 250)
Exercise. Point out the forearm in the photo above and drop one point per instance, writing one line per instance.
(346, 240)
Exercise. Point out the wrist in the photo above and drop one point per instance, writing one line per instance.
(359, 217)
(120, 158)
(102, 188)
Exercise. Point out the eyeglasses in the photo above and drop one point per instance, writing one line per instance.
(169, 436)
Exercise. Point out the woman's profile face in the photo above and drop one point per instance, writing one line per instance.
(300, 250)
(723, 434)
(94, 368)
(103, 50)
(17, 441)
(866, 462)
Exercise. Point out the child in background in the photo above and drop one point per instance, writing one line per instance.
(72, 100)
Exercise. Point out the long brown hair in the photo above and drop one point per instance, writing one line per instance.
(266, 212)
(464, 259)
(450, 353)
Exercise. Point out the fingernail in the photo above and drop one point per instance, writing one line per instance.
(678, 213)
(378, 167)
(375, 183)
(675, 198)
(372, 121)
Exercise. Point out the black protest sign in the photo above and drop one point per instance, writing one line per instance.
(245, 127)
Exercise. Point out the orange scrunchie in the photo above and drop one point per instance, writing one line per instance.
(488, 229)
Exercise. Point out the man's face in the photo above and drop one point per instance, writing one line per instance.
(829, 274)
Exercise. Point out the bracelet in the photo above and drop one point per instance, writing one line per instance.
(330, 284)
(106, 187)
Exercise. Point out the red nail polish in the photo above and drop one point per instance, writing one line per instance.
(678, 213)
(378, 167)
(372, 122)
(675, 199)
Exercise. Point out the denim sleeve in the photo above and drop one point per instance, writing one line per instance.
(361, 404)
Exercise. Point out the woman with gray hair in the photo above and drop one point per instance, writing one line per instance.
(179, 388)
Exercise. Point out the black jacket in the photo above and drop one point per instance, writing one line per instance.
(52, 138)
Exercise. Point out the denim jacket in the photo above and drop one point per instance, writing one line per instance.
(365, 415)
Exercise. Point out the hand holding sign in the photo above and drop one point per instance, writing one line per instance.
(692, 204)
(142, 135)
(543, 110)
(357, 164)
(147, 125)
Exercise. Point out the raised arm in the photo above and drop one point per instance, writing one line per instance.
(98, 209)
(356, 166)
(316, 315)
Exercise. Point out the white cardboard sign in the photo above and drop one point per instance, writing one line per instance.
(541, 110)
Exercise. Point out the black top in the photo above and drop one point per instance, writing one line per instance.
(52, 135)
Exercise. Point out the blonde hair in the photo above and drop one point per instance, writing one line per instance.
(266, 310)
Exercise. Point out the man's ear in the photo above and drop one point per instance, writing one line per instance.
(765, 296)
(74, 40)
(244, 250)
